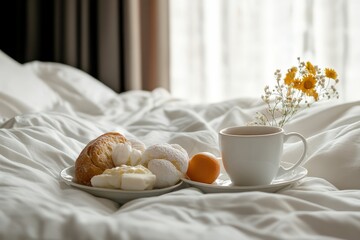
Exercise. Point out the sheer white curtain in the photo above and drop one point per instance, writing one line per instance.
(223, 49)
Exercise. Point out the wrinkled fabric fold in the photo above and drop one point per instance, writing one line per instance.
(35, 147)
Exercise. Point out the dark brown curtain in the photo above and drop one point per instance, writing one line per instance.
(124, 43)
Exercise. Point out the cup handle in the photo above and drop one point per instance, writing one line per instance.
(283, 170)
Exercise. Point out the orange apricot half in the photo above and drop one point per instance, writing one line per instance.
(203, 167)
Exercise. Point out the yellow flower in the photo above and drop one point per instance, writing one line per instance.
(293, 69)
(297, 84)
(330, 73)
(308, 82)
(312, 93)
(290, 76)
(307, 86)
(310, 68)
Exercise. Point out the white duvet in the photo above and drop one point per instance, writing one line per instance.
(36, 144)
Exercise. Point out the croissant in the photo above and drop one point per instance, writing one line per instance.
(96, 157)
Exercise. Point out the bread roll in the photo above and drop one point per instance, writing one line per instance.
(169, 163)
(95, 158)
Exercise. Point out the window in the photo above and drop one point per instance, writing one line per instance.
(229, 49)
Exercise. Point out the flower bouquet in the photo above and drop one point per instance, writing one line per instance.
(298, 89)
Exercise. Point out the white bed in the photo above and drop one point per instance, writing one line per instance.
(50, 111)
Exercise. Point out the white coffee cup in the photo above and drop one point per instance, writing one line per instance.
(252, 154)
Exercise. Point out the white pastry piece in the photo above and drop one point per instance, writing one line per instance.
(128, 153)
(132, 181)
(168, 162)
(166, 173)
(137, 144)
(126, 178)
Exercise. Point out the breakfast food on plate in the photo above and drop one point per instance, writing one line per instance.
(126, 178)
(96, 157)
(166, 173)
(112, 161)
(203, 167)
(128, 153)
(169, 162)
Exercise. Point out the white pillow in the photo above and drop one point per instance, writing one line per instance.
(21, 91)
(77, 88)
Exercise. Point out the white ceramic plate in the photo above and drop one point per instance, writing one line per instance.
(223, 183)
(117, 195)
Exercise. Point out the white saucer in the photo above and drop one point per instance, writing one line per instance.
(223, 183)
(117, 195)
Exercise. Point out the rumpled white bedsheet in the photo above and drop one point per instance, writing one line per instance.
(35, 147)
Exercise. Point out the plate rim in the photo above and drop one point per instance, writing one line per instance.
(301, 174)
